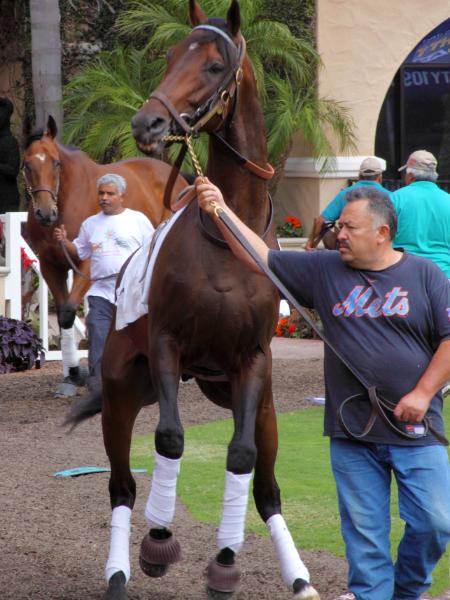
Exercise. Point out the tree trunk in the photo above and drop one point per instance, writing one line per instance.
(46, 61)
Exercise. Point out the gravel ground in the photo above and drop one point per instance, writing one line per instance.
(54, 532)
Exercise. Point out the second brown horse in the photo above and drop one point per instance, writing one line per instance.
(62, 184)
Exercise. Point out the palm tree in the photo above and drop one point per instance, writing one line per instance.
(46, 59)
(103, 97)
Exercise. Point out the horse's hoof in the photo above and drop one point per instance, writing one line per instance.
(152, 570)
(157, 554)
(223, 579)
(79, 375)
(66, 389)
(215, 595)
(116, 587)
(304, 590)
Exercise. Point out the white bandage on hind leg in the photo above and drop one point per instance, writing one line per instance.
(119, 547)
(160, 507)
(235, 500)
(291, 564)
(68, 350)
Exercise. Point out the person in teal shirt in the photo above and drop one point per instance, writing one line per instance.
(423, 211)
(370, 175)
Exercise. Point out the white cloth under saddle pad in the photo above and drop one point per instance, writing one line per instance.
(133, 291)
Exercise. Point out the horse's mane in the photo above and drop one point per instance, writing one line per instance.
(37, 133)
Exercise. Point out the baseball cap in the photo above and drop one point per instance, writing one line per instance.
(420, 159)
(371, 166)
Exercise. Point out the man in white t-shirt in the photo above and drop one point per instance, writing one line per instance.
(108, 238)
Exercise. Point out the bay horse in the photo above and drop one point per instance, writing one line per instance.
(209, 317)
(62, 185)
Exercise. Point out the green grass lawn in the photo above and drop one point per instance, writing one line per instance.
(303, 473)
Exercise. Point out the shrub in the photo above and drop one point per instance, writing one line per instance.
(20, 347)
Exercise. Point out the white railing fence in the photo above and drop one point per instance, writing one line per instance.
(12, 274)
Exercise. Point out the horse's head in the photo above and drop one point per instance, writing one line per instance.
(41, 169)
(198, 90)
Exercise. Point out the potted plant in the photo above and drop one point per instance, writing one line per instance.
(294, 326)
(290, 234)
(20, 347)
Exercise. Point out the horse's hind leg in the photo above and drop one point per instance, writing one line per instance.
(125, 379)
(159, 547)
(267, 499)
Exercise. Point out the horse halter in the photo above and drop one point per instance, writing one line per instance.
(33, 190)
(217, 103)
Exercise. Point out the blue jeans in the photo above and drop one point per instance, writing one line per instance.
(98, 324)
(363, 480)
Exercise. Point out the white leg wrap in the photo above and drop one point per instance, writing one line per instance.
(68, 350)
(160, 507)
(235, 500)
(291, 564)
(119, 548)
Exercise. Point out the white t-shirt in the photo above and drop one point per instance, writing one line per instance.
(108, 240)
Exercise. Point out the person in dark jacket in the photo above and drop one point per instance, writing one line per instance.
(9, 160)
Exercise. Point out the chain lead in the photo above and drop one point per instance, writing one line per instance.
(187, 139)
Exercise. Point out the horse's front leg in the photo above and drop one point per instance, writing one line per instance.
(267, 499)
(56, 278)
(159, 547)
(80, 286)
(247, 388)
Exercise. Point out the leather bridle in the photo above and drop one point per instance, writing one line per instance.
(219, 101)
(33, 190)
(190, 125)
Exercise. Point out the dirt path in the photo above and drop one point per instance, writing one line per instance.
(54, 532)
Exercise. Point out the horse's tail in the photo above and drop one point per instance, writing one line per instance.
(88, 406)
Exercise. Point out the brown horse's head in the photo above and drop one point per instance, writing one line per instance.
(41, 168)
(198, 87)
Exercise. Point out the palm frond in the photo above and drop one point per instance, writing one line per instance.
(101, 99)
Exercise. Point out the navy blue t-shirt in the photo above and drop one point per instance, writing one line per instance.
(386, 324)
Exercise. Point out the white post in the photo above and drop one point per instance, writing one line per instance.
(13, 283)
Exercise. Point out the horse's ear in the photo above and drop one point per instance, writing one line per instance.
(234, 18)
(196, 15)
(52, 129)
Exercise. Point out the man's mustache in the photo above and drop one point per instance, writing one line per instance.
(343, 244)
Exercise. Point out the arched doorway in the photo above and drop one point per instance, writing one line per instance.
(416, 110)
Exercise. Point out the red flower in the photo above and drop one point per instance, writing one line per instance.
(26, 260)
(291, 328)
(296, 223)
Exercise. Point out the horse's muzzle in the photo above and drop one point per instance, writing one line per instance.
(148, 129)
(46, 218)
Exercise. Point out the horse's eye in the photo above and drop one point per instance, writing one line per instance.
(215, 68)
